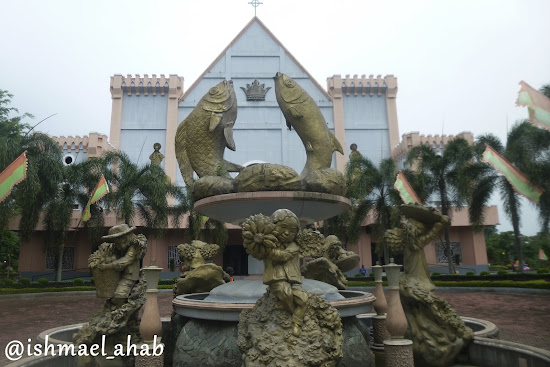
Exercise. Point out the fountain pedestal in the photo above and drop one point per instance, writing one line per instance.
(150, 326)
(398, 350)
(379, 321)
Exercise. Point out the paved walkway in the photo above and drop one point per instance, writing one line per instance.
(523, 318)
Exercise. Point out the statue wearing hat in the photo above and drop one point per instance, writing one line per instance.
(116, 270)
(127, 249)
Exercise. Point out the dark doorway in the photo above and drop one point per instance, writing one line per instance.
(397, 259)
(236, 257)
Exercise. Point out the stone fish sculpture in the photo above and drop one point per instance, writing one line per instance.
(303, 114)
(437, 332)
(203, 136)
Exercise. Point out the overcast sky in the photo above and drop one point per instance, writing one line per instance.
(458, 63)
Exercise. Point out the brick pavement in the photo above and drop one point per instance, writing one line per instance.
(520, 317)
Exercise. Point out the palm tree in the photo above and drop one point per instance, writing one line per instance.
(48, 187)
(44, 171)
(59, 211)
(442, 176)
(369, 188)
(142, 190)
(199, 226)
(528, 148)
(12, 132)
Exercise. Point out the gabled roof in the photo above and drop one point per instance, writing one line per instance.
(234, 41)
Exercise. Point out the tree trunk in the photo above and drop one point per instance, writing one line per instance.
(59, 262)
(514, 209)
(517, 240)
(449, 250)
(445, 211)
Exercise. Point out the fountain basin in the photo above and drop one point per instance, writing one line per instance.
(483, 352)
(308, 206)
(225, 303)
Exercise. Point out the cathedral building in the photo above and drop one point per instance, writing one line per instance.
(147, 109)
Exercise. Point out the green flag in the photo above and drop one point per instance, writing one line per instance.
(516, 178)
(537, 103)
(100, 191)
(405, 190)
(12, 175)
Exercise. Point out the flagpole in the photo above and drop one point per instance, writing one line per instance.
(31, 129)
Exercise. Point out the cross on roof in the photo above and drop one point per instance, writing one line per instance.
(255, 4)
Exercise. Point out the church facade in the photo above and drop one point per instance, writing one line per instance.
(361, 110)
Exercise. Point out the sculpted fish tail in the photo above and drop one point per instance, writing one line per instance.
(232, 167)
(181, 155)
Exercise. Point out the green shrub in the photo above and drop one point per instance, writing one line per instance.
(484, 273)
(371, 274)
(7, 282)
(502, 272)
(539, 284)
(25, 282)
(470, 273)
(358, 275)
(78, 281)
(43, 281)
(435, 274)
(44, 290)
(543, 271)
(175, 279)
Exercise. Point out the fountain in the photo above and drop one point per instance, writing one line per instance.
(219, 328)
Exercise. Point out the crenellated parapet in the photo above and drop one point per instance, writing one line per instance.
(94, 145)
(436, 142)
(355, 85)
(342, 88)
(145, 85)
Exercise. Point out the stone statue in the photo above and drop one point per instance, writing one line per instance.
(286, 321)
(438, 333)
(303, 114)
(156, 157)
(117, 276)
(198, 275)
(202, 137)
(354, 152)
(330, 259)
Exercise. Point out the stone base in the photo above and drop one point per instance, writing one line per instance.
(399, 353)
(207, 343)
(356, 348)
(152, 360)
(201, 341)
(266, 338)
(380, 331)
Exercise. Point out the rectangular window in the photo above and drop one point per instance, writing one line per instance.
(68, 258)
(174, 256)
(441, 254)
